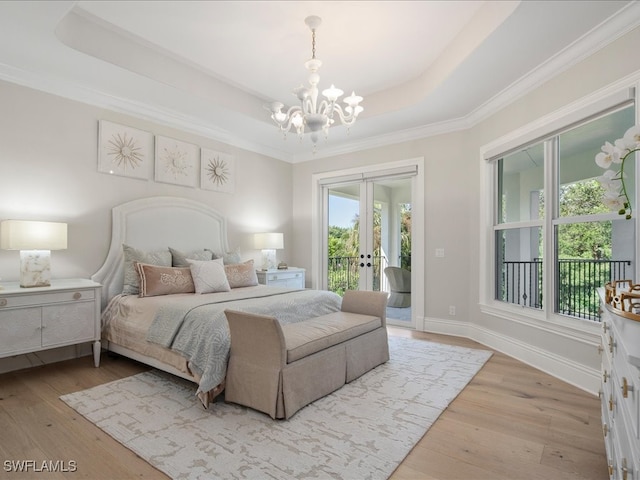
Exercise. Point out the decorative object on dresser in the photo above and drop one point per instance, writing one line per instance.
(65, 313)
(35, 240)
(268, 243)
(620, 395)
(292, 277)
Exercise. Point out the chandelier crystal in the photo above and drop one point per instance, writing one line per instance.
(312, 115)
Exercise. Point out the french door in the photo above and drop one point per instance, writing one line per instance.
(367, 228)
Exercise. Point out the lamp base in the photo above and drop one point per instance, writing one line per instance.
(268, 259)
(35, 268)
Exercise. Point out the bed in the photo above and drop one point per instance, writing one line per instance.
(172, 328)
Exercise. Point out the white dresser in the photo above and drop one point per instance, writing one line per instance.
(620, 394)
(292, 277)
(33, 319)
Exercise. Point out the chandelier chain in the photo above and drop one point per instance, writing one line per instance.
(313, 43)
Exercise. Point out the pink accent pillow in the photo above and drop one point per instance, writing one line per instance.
(158, 280)
(241, 274)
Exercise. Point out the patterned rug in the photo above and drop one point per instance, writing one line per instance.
(363, 430)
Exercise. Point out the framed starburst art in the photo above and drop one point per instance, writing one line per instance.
(217, 171)
(176, 162)
(124, 151)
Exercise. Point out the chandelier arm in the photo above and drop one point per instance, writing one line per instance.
(347, 119)
(287, 124)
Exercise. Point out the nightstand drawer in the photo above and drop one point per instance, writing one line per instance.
(284, 276)
(9, 301)
(291, 278)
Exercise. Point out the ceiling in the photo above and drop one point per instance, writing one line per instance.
(423, 67)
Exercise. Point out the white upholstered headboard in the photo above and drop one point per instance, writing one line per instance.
(156, 223)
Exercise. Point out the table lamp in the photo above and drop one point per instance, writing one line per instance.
(268, 243)
(35, 240)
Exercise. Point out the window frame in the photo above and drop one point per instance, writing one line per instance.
(542, 130)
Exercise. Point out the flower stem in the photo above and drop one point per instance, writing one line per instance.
(627, 203)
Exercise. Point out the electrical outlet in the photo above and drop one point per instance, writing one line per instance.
(452, 310)
(439, 252)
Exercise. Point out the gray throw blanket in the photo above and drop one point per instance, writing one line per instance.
(198, 329)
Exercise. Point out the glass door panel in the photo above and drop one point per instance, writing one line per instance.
(369, 241)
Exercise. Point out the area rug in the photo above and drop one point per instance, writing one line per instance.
(362, 431)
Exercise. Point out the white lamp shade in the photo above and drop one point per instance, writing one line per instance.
(269, 241)
(30, 235)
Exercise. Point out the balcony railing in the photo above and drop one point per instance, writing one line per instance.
(344, 272)
(577, 282)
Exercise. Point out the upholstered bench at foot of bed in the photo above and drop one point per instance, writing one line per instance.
(278, 369)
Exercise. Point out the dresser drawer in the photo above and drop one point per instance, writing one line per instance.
(10, 301)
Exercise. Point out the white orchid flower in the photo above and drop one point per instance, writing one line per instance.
(609, 154)
(632, 137)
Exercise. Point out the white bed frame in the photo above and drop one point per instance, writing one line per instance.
(155, 223)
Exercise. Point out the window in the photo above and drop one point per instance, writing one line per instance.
(555, 242)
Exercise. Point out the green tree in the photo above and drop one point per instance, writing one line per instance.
(590, 240)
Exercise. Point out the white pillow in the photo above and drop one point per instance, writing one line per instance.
(209, 276)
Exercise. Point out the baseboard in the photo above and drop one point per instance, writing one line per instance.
(565, 369)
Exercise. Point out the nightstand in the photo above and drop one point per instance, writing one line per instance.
(39, 318)
(292, 277)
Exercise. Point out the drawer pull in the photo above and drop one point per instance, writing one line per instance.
(605, 327)
(3, 302)
(600, 349)
(624, 469)
(77, 296)
(605, 375)
(611, 469)
(626, 388)
(605, 429)
(612, 344)
(611, 403)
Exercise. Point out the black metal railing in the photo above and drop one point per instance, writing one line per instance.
(577, 281)
(343, 273)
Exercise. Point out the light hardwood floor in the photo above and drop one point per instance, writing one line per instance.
(510, 422)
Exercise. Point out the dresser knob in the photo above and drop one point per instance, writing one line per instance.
(77, 296)
(626, 388)
(605, 375)
(3, 302)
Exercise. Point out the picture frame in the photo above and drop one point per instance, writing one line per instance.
(176, 162)
(217, 171)
(124, 150)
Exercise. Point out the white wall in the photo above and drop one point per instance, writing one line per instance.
(452, 211)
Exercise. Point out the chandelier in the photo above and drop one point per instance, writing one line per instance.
(311, 114)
